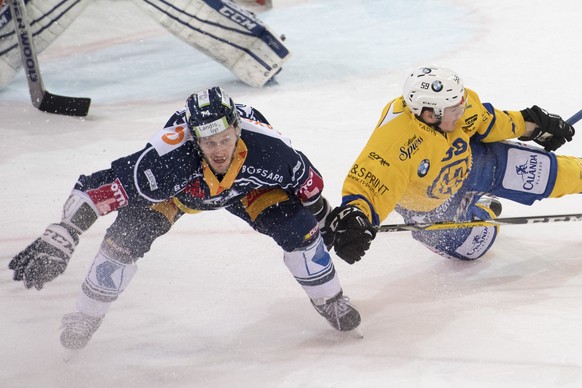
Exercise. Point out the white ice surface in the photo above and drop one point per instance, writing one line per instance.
(212, 304)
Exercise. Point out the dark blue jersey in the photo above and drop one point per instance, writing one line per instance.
(171, 167)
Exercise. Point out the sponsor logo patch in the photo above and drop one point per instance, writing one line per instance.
(423, 168)
(410, 148)
(527, 171)
(109, 197)
(312, 186)
(374, 156)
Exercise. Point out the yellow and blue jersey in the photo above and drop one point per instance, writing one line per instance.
(410, 164)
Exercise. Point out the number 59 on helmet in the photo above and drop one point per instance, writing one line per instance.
(433, 87)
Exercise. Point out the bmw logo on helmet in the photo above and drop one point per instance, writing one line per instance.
(437, 86)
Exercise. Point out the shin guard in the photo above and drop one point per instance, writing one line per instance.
(105, 281)
(313, 269)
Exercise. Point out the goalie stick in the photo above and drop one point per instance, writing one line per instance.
(41, 98)
(493, 222)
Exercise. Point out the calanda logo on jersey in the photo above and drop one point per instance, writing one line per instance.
(410, 148)
(529, 172)
(480, 243)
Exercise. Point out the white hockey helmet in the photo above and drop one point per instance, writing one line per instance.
(433, 87)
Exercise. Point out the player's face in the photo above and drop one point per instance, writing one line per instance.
(451, 115)
(218, 150)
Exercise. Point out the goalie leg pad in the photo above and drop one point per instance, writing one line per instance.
(225, 32)
(48, 20)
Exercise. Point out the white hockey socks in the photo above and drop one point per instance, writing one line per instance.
(106, 280)
(313, 269)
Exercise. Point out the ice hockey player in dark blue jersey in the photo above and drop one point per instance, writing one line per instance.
(211, 154)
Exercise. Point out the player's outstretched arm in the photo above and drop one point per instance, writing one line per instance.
(47, 257)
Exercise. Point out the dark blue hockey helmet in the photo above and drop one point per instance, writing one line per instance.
(210, 111)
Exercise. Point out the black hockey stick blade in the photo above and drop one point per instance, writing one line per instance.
(41, 98)
(62, 105)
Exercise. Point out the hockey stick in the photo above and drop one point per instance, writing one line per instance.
(470, 224)
(575, 118)
(41, 98)
(499, 221)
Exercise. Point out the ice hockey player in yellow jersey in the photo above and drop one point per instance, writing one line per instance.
(439, 154)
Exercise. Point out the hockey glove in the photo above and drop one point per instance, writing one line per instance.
(352, 232)
(45, 258)
(552, 132)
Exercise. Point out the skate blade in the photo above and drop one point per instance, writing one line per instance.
(355, 333)
(70, 355)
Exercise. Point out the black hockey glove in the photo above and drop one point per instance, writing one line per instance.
(46, 257)
(351, 232)
(552, 132)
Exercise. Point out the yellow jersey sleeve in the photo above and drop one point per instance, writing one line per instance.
(488, 124)
(410, 164)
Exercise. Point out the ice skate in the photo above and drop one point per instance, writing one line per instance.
(338, 311)
(491, 205)
(78, 328)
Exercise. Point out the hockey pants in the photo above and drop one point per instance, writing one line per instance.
(509, 170)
